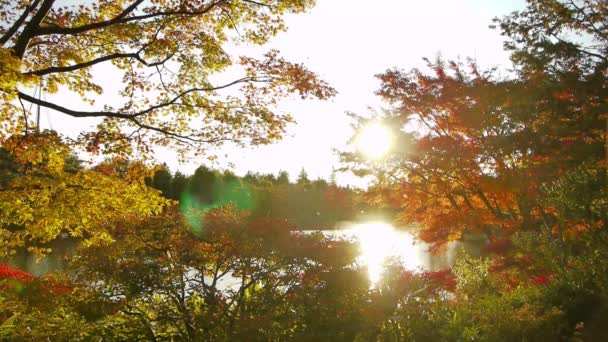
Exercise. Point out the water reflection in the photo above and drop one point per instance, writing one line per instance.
(379, 241)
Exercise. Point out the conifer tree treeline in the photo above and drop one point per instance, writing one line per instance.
(308, 204)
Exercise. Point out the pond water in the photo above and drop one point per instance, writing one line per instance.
(378, 241)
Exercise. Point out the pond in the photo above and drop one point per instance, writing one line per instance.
(378, 241)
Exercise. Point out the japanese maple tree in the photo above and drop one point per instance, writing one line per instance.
(485, 145)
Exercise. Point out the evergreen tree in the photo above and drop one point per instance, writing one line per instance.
(303, 178)
(179, 184)
(162, 181)
(283, 178)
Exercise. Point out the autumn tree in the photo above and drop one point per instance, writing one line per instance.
(46, 198)
(486, 145)
(567, 42)
(233, 278)
(167, 59)
(164, 54)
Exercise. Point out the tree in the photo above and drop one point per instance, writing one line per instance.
(164, 53)
(545, 36)
(488, 144)
(303, 178)
(253, 178)
(162, 180)
(283, 178)
(229, 177)
(46, 199)
(568, 41)
(203, 183)
(242, 278)
(179, 185)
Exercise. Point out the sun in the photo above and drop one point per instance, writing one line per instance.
(374, 141)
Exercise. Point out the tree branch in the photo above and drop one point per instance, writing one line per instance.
(130, 116)
(13, 29)
(591, 25)
(181, 138)
(121, 19)
(580, 49)
(31, 28)
(27, 129)
(257, 3)
(74, 67)
(74, 113)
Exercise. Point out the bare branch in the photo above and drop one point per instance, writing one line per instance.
(256, 3)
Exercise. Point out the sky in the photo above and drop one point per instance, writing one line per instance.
(347, 42)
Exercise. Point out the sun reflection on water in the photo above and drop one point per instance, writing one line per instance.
(379, 241)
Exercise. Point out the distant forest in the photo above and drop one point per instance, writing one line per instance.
(306, 204)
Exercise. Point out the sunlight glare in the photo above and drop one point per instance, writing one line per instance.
(379, 241)
(374, 141)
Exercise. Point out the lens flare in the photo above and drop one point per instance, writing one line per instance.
(194, 206)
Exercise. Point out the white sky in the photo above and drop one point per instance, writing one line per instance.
(347, 42)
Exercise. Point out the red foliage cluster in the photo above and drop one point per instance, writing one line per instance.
(60, 289)
(542, 279)
(497, 266)
(434, 275)
(407, 277)
(337, 198)
(8, 272)
(564, 95)
(540, 159)
(568, 141)
(55, 286)
(498, 246)
(443, 278)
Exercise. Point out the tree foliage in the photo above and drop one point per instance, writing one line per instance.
(167, 56)
(521, 158)
(170, 58)
(486, 145)
(45, 199)
(239, 278)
